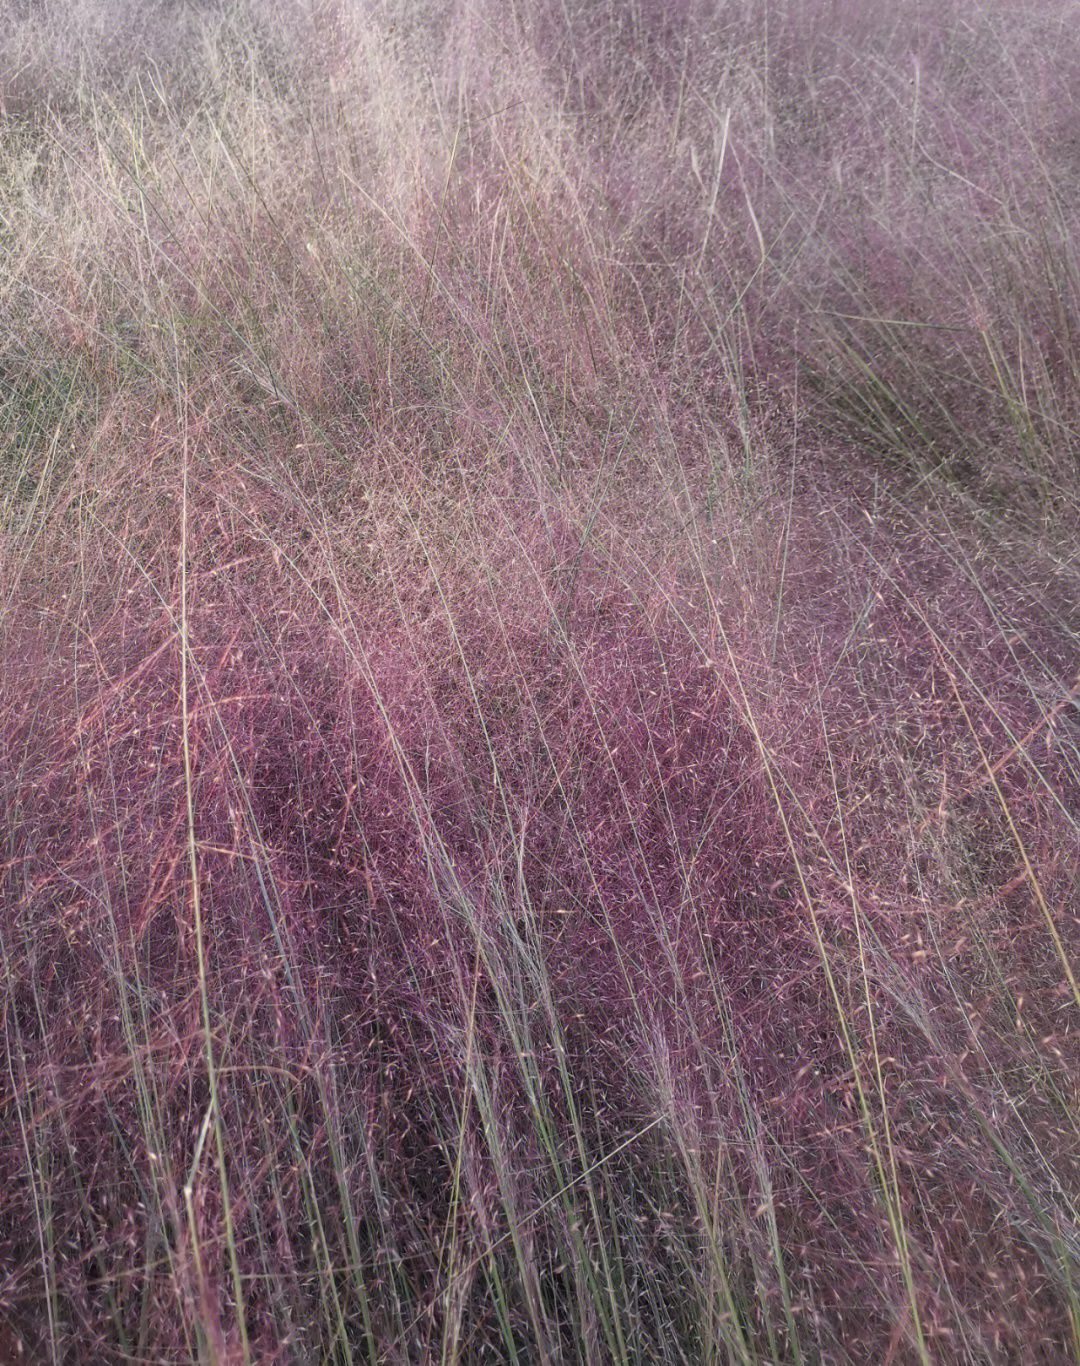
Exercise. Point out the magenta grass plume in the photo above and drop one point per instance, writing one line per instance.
(539, 695)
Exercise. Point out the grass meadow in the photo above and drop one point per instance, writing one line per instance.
(539, 695)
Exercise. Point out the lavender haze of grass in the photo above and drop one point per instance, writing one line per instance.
(539, 695)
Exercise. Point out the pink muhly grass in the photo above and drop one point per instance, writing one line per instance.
(538, 760)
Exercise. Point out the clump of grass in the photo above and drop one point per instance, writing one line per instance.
(538, 750)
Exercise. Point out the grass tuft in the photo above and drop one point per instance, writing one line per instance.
(539, 743)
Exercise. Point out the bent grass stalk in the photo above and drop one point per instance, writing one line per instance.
(213, 1114)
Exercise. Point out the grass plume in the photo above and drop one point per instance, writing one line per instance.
(538, 682)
